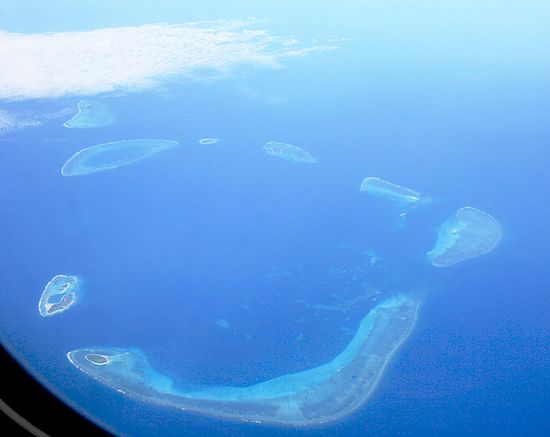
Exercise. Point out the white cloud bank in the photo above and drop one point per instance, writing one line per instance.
(46, 65)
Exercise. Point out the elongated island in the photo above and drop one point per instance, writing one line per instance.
(315, 396)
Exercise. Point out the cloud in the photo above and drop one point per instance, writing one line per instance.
(47, 65)
(12, 121)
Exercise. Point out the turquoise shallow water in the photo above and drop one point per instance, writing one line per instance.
(450, 101)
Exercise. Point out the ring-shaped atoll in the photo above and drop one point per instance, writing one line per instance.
(108, 156)
(58, 295)
(206, 141)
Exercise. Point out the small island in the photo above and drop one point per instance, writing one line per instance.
(90, 114)
(466, 234)
(402, 196)
(59, 295)
(289, 152)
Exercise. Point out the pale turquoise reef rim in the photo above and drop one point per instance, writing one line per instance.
(78, 164)
(311, 397)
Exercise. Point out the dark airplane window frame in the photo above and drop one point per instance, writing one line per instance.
(24, 401)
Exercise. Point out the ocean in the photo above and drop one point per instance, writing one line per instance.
(228, 266)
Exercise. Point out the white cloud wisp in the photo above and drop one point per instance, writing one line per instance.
(48, 65)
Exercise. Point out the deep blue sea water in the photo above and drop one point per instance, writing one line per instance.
(451, 101)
